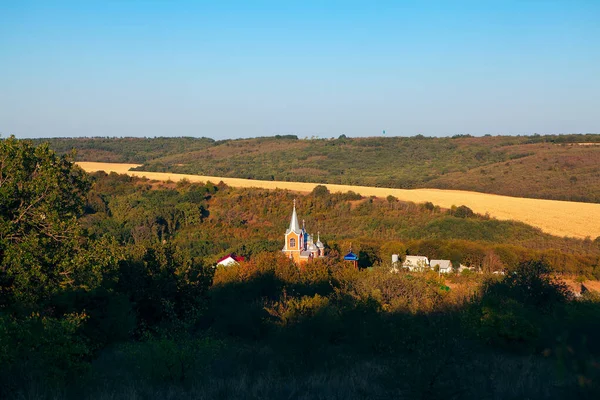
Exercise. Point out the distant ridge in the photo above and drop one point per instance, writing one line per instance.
(557, 167)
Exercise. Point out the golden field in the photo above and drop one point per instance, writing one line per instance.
(561, 218)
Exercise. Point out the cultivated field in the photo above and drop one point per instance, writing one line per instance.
(561, 218)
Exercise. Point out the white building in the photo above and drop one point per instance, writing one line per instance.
(445, 266)
(416, 263)
(229, 259)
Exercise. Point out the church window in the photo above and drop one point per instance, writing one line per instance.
(292, 242)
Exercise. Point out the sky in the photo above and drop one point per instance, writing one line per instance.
(230, 69)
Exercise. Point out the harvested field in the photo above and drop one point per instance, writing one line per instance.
(561, 218)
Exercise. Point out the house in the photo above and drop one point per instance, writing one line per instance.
(444, 266)
(416, 263)
(299, 244)
(229, 259)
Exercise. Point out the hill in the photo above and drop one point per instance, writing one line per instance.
(210, 221)
(560, 167)
(559, 218)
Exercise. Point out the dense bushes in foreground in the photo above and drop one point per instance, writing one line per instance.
(268, 329)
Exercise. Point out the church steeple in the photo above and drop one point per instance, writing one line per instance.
(299, 245)
(294, 225)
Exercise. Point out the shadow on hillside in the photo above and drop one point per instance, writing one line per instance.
(508, 344)
(264, 337)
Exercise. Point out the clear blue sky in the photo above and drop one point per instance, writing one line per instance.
(228, 69)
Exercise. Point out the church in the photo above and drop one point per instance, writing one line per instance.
(299, 245)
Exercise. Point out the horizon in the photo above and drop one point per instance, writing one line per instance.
(282, 136)
(237, 71)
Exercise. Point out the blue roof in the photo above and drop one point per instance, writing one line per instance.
(351, 257)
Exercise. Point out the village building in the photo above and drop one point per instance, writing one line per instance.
(229, 259)
(444, 266)
(416, 263)
(299, 245)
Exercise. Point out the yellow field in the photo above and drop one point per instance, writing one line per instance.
(561, 218)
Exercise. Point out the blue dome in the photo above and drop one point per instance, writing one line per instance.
(351, 257)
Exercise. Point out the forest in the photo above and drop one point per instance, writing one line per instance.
(559, 167)
(108, 289)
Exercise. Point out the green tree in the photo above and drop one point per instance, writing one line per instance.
(320, 191)
(41, 196)
(463, 212)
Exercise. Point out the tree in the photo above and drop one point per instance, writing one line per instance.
(41, 196)
(367, 256)
(463, 212)
(320, 191)
(393, 247)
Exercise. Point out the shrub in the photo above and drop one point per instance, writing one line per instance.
(165, 360)
(320, 191)
(39, 348)
(514, 309)
(463, 212)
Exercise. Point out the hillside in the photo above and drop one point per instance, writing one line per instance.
(211, 221)
(560, 218)
(565, 167)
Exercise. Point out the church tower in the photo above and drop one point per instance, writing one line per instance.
(299, 245)
(294, 238)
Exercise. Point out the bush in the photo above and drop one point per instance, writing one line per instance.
(40, 348)
(320, 191)
(513, 310)
(463, 212)
(166, 360)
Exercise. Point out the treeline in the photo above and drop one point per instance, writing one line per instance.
(108, 290)
(125, 150)
(540, 166)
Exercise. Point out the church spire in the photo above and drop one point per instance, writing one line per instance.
(294, 225)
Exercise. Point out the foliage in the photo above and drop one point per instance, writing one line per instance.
(463, 212)
(41, 348)
(542, 166)
(511, 309)
(41, 196)
(169, 360)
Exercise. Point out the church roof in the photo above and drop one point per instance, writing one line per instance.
(319, 243)
(294, 225)
(351, 257)
(233, 257)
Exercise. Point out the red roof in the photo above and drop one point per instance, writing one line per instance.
(235, 258)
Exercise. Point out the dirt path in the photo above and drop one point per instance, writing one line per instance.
(561, 218)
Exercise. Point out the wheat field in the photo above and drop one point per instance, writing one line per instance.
(561, 218)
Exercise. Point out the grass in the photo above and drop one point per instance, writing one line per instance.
(255, 372)
(560, 218)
